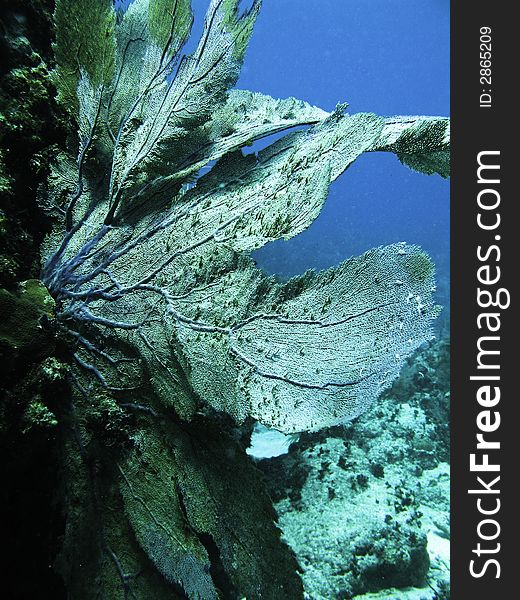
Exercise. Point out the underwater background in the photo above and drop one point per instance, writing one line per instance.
(365, 507)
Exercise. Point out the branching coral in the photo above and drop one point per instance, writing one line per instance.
(164, 311)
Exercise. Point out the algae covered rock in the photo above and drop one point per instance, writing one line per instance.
(30, 123)
(37, 415)
(24, 318)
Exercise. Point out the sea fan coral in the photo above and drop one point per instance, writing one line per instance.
(165, 315)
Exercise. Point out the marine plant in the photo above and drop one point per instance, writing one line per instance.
(174, 337)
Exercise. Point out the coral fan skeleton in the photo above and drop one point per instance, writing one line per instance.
(148, 260)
